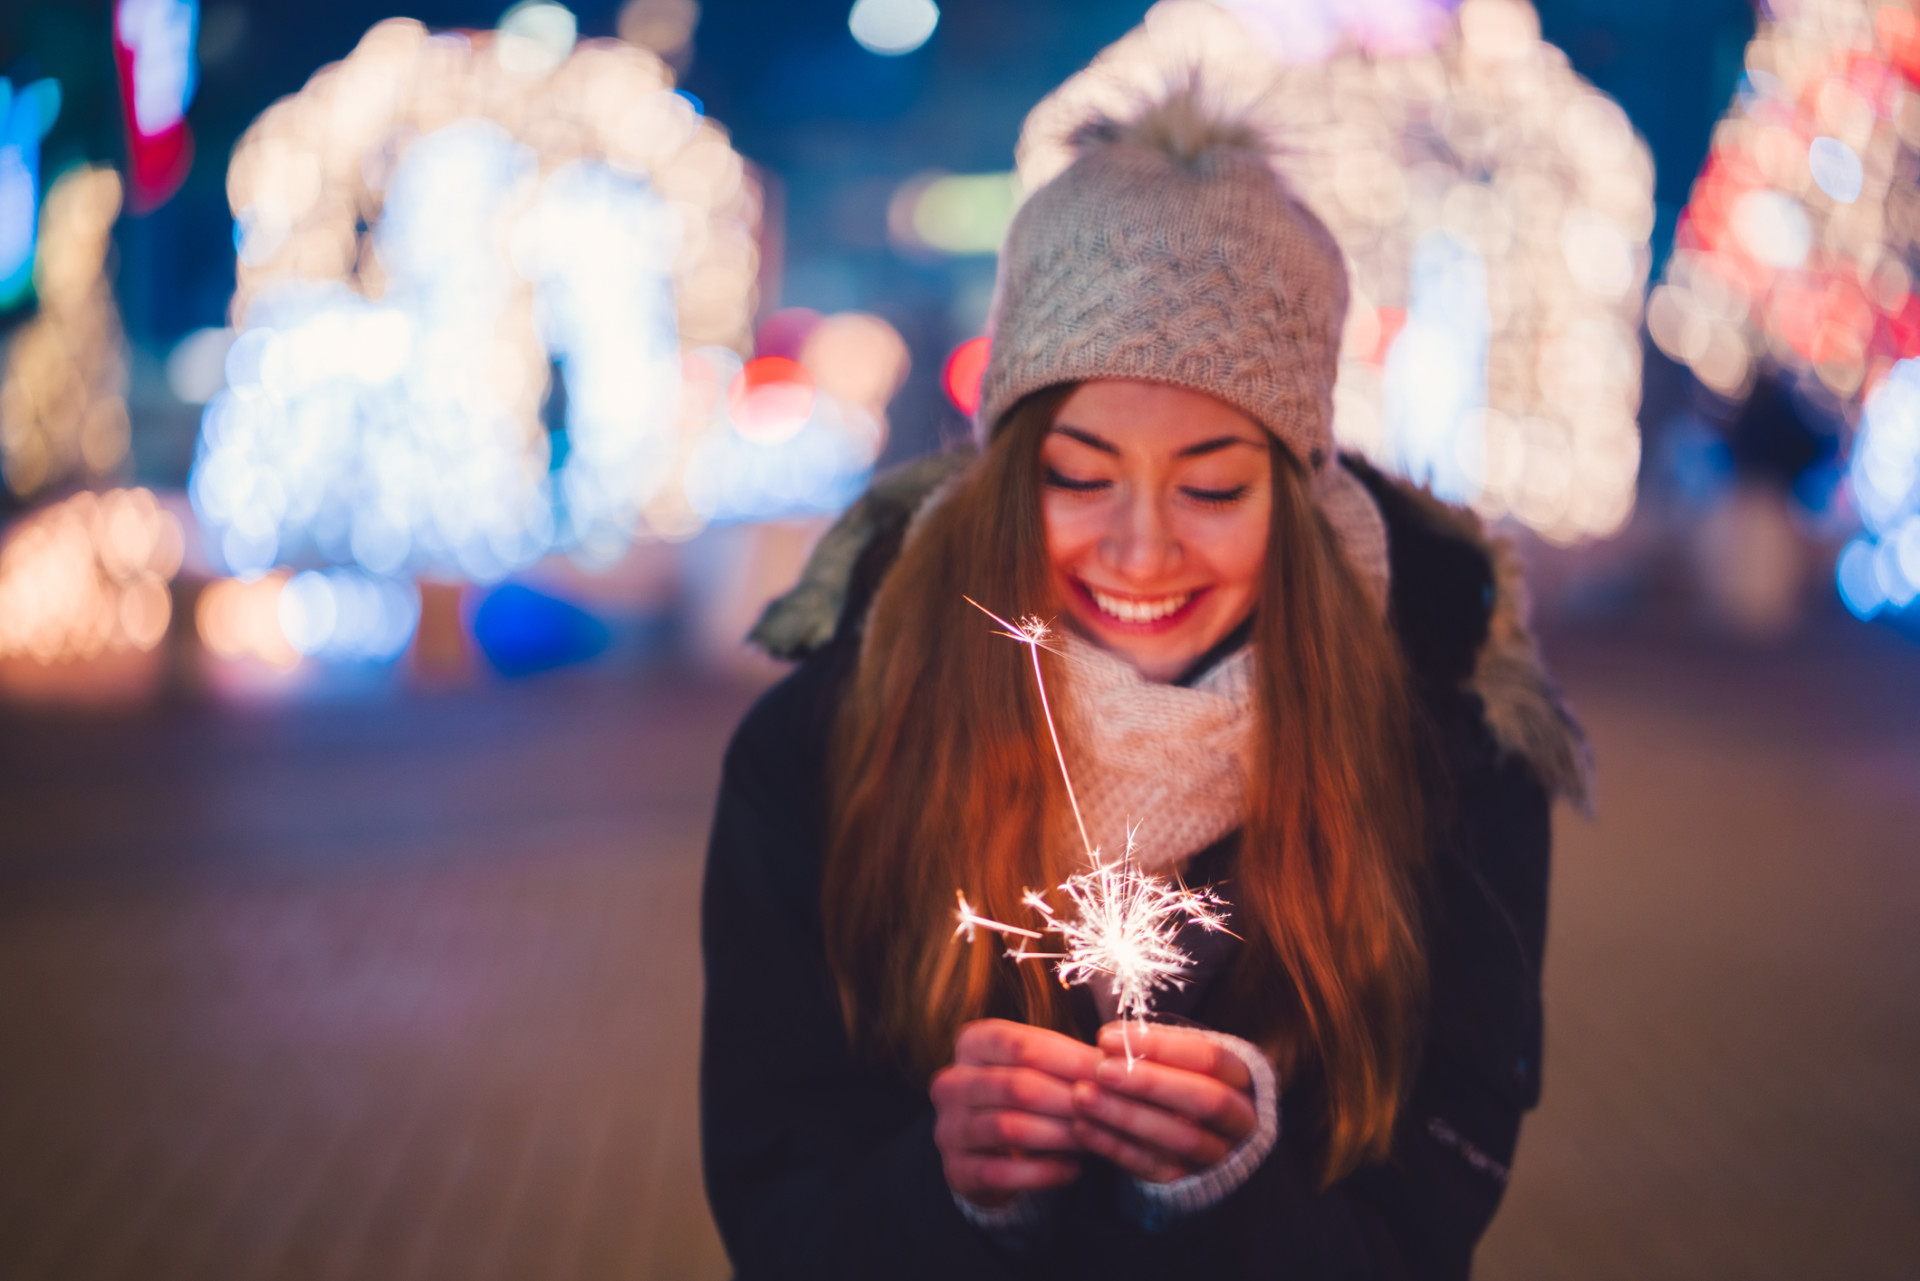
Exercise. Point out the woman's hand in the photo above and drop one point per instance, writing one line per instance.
(1182, 1107)
(1005, 1110)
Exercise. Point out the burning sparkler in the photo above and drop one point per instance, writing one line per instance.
(1127, 920)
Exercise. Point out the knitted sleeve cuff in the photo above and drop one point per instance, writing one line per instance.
(1022, 1225)
(1156, 1205)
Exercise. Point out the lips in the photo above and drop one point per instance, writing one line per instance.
(1150, 613)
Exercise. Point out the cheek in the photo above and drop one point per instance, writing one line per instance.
(1235, 547)
(1073, 532)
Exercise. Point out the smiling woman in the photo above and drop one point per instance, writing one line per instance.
(1156, 505)
(1303, 686)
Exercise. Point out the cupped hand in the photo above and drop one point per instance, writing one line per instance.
(1181, 1107)
(1004, 1110)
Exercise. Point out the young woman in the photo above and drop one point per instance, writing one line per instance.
(1307, 685)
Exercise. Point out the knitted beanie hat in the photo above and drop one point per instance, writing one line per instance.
(1171, 251)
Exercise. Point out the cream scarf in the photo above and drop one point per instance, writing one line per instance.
(1168, 759)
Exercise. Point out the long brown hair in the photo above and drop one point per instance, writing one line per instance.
(942, 780)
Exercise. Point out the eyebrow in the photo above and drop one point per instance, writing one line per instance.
(1105, 446)
(1088, 439)
(1214, 446)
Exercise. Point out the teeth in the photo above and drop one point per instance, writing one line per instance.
(1139, 611)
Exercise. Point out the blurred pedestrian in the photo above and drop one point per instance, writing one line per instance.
(1310, 686)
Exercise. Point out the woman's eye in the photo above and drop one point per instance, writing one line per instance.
(1217, 497)
(1073, 486)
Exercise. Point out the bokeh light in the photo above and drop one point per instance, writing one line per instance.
(1796, 252)
(1495, 209)
(1795, 247)
(26, 113)
(154, 50)
(63, 410)
(88, 575)
(893, 27)
(468, 265)
(954, 213)
(966, 366)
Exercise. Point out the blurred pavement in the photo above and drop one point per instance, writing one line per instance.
(410, 990)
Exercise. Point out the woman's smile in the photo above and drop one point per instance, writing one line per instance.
(1142, 614)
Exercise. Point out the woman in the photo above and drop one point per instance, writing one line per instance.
(1306, 684)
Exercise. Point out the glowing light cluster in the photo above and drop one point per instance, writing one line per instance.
(1495, 210)
(241, 620)
(436, 236)
(1797, 244)
(88, 575)
(782, 436)
(63, 412)
(1880, 569)
(26, 114)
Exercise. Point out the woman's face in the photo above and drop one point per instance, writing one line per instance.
(1156, 501)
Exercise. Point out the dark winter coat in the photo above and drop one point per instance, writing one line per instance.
(821, 1165)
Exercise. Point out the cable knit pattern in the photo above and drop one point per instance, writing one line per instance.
(1170, 758)
(1171, 251)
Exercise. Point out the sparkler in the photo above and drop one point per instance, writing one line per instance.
(1126, 920)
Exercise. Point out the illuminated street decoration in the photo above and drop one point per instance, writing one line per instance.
(1495, 210)
(88, 575)
(468, 267)
(153, 49)
(1797, 243)
(26, 113)
(1796, 251)
(63, 411)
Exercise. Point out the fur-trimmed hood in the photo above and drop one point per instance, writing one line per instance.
(1458, 599)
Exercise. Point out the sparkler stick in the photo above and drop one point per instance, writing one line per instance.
(1127, 920)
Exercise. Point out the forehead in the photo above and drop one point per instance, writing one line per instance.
(1153, 418)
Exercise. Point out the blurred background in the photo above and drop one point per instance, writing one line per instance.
(404, 412)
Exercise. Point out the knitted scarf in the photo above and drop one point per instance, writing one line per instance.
(1170, 759)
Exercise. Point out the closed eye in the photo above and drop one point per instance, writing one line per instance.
(1060, 481)
(1217, 497)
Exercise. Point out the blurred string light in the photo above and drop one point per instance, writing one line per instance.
(26, 113)
(238, 620)
(954, 213)
(787, 435)
(1495, 210)
(1880, 569)
(1798, 242)
(436, 236)
(88, 575)
(63, 411)
(1797, 250)
(154, 51)
(893, 27)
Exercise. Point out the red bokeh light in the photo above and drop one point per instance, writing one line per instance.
(965, 368)
(770, 398)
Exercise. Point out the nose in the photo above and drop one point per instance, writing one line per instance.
(1141, 546)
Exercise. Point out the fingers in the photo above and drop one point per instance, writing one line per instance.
(1140, 1161)
(1017, 1088)
(970, 1130)
(1196, 1098)
(994, 1180)
(1178, 1047)
(1000, 1043)
(1154, 1129)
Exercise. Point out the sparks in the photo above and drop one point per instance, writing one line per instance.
(1126, 920)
